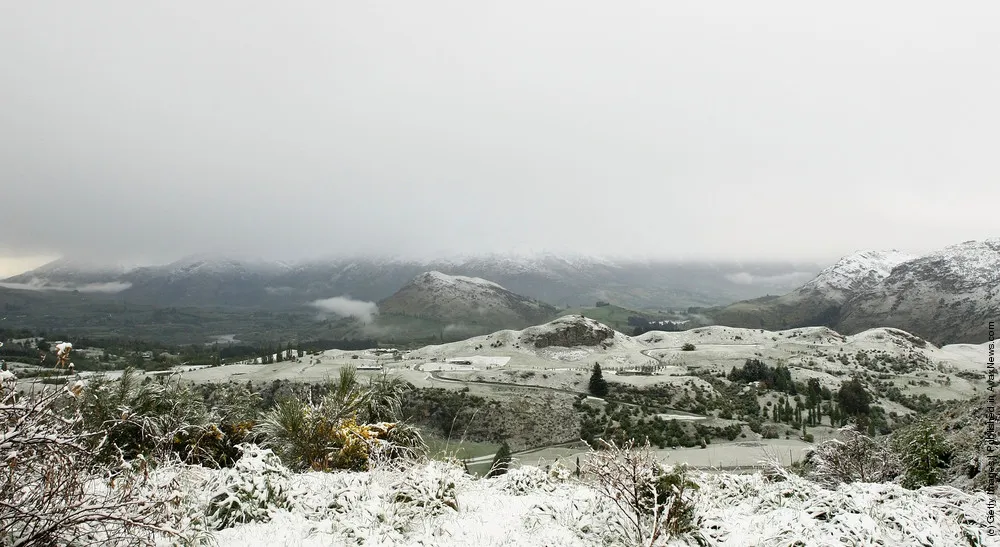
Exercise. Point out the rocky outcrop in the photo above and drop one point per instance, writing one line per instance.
(569, 331)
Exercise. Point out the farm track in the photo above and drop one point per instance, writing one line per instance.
(436, 376)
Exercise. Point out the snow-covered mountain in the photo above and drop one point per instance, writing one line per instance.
(463, 300)
(818, 301)
(949, 295)
(555, 279)
(204, 281)
(945, 296)
(69, 272)
(853, 274)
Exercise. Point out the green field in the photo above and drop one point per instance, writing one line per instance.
(439, 449)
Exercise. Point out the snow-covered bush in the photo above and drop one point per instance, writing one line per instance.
(525, 480)
(385, 504)
(854, 457)
(559, 472)
(55, 490)
(745, 510)
(430, 487)
(136, 416)
(153, 418)
(530, 479)
(652, 500)
(210, 434)
(361, 508)
(249, 490)
(583, 512)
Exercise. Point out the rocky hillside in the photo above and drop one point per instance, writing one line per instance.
(964, 425)
(946, 297)
(463, 300)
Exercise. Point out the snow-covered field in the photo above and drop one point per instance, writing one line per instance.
(437, 504)
(809, 352)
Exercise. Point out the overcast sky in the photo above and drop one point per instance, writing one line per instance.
(663, 128)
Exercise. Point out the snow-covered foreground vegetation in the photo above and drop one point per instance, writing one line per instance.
(133, 461)
(437, 503)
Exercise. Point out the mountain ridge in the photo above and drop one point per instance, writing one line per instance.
(946, 295)
(562, 281)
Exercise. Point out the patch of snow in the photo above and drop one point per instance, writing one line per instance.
(455, 279)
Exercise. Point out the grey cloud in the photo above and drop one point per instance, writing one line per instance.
(745, 278)
(279, 290)
(345, 306)
(40, 285)
(779, 129)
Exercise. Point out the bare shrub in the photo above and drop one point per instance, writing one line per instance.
(653, 500)
(53, 490)
(854, 457)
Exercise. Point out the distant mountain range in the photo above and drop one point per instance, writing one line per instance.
(948, 296)
(204, 281)
(945, 297)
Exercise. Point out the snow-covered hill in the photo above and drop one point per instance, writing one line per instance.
(463, 300)
(69, 274)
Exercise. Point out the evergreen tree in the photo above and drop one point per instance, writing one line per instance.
(814, 393)
(501, 461)
(853, 399)
(924, 452)
(598, 385)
